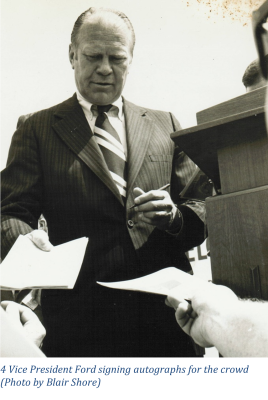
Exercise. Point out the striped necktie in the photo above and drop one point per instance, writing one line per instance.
(112, 149)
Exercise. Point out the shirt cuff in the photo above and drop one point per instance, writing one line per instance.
(176, 225)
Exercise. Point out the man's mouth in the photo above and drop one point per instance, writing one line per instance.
(102, 83)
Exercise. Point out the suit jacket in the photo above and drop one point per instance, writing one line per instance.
(56, 168)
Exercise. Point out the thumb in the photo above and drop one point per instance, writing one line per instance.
(172, 302)
(12, 309)
(40, 239)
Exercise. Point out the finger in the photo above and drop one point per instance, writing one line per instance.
(155, 205)
(12, 311)
(32, 327)
(159, 220)
(183, 314)
(157, 215)
(21, 316)
(40, 239)
(18, 311)
(173, 302)
(27, 316)
(42, 224)
(137, 192)
(24, 318)
(167, 303)
(142, 197)
(35, 332)
(185, 323)
(4, 304)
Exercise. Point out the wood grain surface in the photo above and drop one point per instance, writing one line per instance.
(229, 147)
(245, 102)
(238, 232)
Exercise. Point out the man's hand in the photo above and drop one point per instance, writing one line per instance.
(24, 318)
(40, 238)
(211, 303)
(156, 208)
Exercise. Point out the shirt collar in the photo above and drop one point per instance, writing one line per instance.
(116, 110)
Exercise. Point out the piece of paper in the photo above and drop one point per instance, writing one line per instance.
(167, 281)
(26, 266)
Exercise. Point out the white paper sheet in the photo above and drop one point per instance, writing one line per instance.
(167, 281)
(26, 266)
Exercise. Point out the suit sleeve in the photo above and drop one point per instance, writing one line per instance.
(192, 232)
(21, 188)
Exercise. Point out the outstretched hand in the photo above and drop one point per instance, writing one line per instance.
(208, 303)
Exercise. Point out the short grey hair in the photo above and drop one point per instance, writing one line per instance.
(93, 10)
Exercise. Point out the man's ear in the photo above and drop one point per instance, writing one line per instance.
(71, 55)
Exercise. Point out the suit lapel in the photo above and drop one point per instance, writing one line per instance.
(74, 130)
(139, 129)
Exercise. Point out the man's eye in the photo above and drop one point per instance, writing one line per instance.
(117, 59)
(89, 57)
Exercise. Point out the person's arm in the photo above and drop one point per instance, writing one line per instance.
(216, 317)
(21, 331)
(21, 189)
(185, 219)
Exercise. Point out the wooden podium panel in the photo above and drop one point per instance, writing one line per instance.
(245, 102)
(230, 145)
(223, 148)
(244, 165)
(238, 233)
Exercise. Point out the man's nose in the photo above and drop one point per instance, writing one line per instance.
(104, 66)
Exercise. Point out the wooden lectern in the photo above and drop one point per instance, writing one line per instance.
(230, 145)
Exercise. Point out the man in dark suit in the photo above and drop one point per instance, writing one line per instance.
(59, 168)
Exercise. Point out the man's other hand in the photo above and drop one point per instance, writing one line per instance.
(24, 318)
(156, 208)
(40, 238)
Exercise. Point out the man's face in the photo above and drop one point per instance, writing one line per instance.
(101, 59)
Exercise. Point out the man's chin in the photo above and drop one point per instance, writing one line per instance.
(101, 99)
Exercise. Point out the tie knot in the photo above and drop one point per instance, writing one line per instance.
(103, 109)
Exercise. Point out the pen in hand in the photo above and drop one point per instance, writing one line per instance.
(162, 188)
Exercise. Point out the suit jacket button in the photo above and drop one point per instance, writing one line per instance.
(130, 224)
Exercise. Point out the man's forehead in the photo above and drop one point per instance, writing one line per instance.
(102, 46)
(108, 27)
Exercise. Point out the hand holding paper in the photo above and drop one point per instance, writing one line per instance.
(209, 303)
(166, 281)
(26, 266)
(40, 238)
